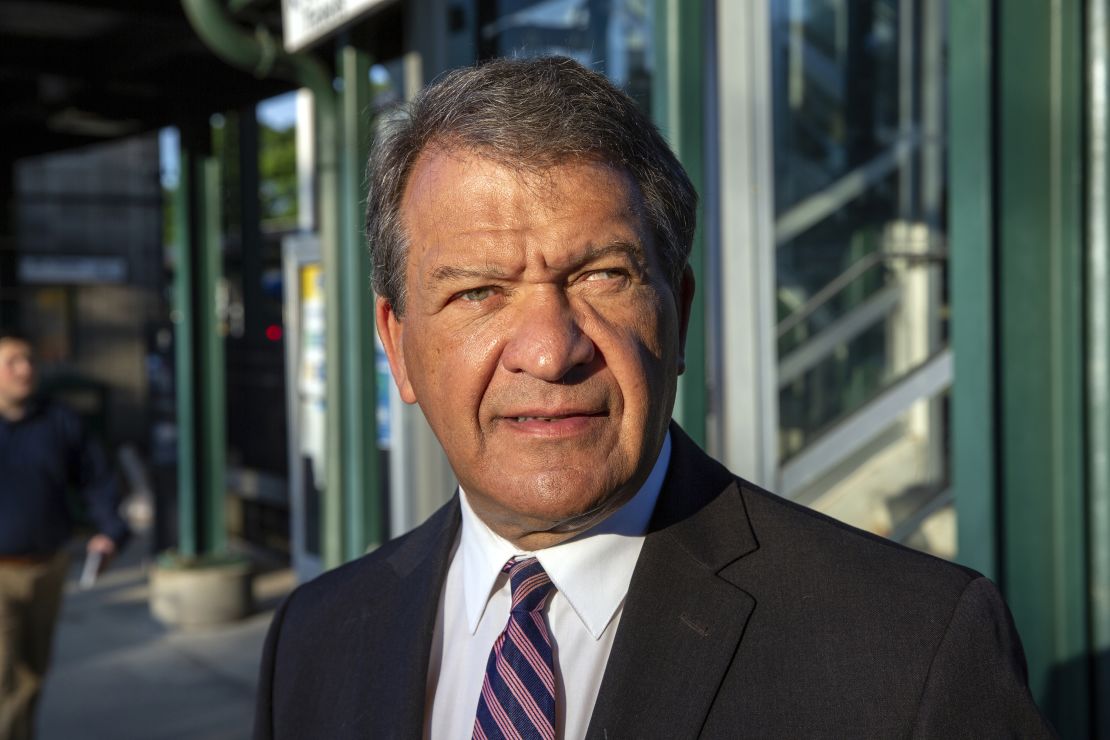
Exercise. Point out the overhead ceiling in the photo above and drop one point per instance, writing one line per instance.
(74, 72)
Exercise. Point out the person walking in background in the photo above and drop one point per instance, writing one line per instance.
(44, 453)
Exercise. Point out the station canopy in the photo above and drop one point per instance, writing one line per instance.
(77, 72)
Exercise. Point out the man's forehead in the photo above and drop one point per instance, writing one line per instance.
(536, 172)
(459, 177)
(458, 199)
(10, 346)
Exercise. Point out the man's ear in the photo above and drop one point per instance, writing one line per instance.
(391, 330)
(685, 299)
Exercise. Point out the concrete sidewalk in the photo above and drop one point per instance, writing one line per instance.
(117, 674)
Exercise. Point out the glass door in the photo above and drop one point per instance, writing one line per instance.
(854, 256)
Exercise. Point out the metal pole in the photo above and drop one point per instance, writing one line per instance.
(212, 440)
(363, 495)
(747, 395)
(678, 104)
(327, 172)
(183, 357)
(1098, 352)
(971, 271)
(1042, 361)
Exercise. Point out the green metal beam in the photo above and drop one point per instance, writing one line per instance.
(1041, 361)
(211, 426)
(363, 494)
(1098, 351)
(971, 272)
(183, 358)
(678, 107)
(327, 173)
(199, 356)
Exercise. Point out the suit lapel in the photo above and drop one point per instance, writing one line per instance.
(680, 627)
(682, 621)
(420, 566)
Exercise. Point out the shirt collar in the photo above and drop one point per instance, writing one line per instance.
(591, 571)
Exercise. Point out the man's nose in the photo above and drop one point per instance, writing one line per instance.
(546, 339)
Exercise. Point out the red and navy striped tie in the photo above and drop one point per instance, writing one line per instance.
(518, 693)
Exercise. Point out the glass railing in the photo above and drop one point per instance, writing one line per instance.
(861, 279)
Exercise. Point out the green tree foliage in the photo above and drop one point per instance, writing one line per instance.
(277, 165)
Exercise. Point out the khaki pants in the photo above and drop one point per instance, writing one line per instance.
(30, 596)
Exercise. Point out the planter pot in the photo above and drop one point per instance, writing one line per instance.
(200, 593)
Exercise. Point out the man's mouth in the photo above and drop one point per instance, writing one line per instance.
(554, 417)
(547, 422)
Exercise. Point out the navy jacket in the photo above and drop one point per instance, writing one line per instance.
(44, 456)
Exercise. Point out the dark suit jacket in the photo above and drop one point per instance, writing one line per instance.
(747, 616)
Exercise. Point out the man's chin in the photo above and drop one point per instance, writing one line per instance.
(550, 510)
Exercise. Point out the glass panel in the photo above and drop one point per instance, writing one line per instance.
(860, 265)
(836, 90)
(611, 36)
(813, 260)
(842, 381)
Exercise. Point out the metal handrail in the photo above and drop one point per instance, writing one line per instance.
(856, 428)
(846, 328)
(815, 208)
(846, 278)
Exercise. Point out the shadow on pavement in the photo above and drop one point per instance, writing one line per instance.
(119, 674)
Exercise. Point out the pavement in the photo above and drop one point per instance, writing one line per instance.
(118, 674)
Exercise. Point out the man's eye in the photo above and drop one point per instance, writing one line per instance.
(476, 294)
(613, 274)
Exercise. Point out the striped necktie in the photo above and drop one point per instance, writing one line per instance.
(518, 693)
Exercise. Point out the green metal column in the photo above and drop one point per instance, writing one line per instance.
(330, 209)
(184, 385)
(362, 494)
(972, 260)
(212, 443)
(1041, 363)
(678, 107)
(201, 406)
(1030, 249)
(1098, 352)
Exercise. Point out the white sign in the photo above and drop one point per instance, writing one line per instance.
(306, 21)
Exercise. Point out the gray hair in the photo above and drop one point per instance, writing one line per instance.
(527, 114)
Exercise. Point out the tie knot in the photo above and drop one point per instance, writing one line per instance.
(530, 584)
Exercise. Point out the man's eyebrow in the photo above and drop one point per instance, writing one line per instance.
(455, 273)
(631, 250)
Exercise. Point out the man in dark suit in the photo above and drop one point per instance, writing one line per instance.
(597, 574)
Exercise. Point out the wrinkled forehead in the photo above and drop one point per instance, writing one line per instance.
(537, 176)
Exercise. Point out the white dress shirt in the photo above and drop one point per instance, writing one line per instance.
(591, 573)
